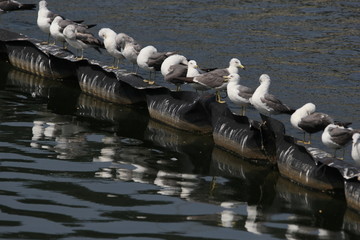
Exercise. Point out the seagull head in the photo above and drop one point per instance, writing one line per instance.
(106, 32)
(57, 19)
(234, 62)
(42, 4)
(264, 78)
(182, 60)
(355, 137)
(69, 31)
(192, 64)
(309, 108)
(123, 38)
(149, 50)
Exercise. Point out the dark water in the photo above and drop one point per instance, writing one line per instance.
(75, 167)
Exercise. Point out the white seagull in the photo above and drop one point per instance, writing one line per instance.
(79, 38)
(59, 24)
(265, 102)
(193, 71)
(215, 79)
(111, 45)
(45, 18)
(309, 121)
(355, 150)
(150, 59)
(238, 93)
(174, 69)
(337, 137)
(130, 49)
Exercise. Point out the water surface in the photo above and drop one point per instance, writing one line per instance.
(75, 167)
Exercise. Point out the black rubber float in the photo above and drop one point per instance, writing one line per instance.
(190, 112)
(115, 86)
(182, 110)
(240, 135)
(43, 60)
(352, 194)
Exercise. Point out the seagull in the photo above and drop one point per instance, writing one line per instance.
(336, 137)
(45, 18)
(150, 59)
(174, 69)
(79, 38)
(309, 121)
(10, 5)
(193, 71)
(215, 79)
(355, 150)
(59, 24)
(111, 45)
(238, 93)
(130, 49)
(267, 103)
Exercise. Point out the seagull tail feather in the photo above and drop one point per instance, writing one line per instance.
(90, 25)
(28, 6)
(289, 111)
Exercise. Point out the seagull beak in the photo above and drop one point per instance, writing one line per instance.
(241, 66)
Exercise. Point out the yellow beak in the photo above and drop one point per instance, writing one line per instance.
(242, 66)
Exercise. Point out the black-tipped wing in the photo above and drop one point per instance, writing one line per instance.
(272, 102)
(315, 122)
(176, 74)
(340, 136)
(89, 39)
(14, 5)
(65, 22)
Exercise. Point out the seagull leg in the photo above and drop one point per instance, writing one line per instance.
(134, 69)
(262, 139)
(149, 81)
(243, 111)
(304, 139)
(146, 80)
(46, 43)
(152, 82)
(117, 63)
(343, 155)
(218, 97)
(213, 184)
(77, 54)
(113, 64)
(307, 142)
